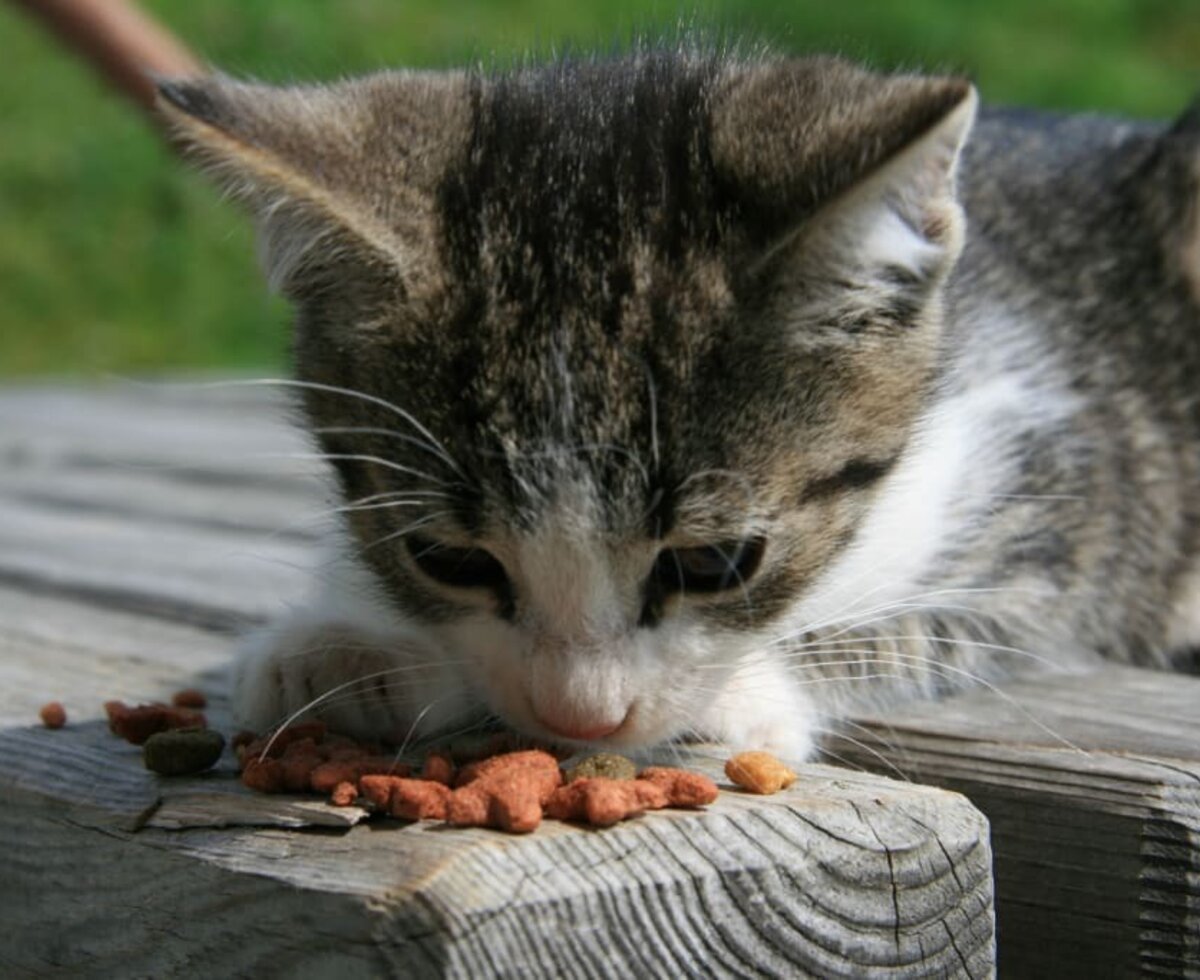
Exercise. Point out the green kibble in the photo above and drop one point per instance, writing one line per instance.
(606, 765)
(182, 751)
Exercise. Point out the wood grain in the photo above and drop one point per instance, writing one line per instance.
(138, 533)
(841, 877)
(843, 874)
(1092, 786)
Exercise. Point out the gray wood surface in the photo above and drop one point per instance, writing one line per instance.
(140, 528)
(1092, 786)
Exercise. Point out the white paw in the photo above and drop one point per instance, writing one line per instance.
(362, 685)
(761, 709)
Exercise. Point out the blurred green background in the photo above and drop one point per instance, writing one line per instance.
(114, 259)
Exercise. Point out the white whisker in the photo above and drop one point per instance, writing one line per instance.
(335, 390)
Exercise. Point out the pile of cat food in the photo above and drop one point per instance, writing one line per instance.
(510, 790)
(490, 784)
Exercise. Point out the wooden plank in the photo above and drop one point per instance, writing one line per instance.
(54, 648)
(157, 496)
(846, 875)
(1092, 786)
(209, 575)
(234, 437)
(81, 655)
(110, 868)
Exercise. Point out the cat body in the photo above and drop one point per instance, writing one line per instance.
(678, 395)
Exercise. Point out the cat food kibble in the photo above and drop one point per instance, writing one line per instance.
(306, 758)
(189, 698)
(182, 751)
(506, 791)
(603, 802)
(439, 768)
(299, 760)
(605, 764)
(759, 772)
(409, 799)
(681, 787)
(326, 776)
(263, 775)
(273, 746)
(136, 724)
(53, 714)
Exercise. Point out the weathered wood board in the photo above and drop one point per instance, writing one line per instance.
(140, 528)
(1092, 786)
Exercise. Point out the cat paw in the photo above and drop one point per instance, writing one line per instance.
(758, 711)
(366, 686)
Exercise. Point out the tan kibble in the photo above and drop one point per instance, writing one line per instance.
(759, 772)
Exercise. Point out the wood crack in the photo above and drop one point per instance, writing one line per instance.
(891, 870)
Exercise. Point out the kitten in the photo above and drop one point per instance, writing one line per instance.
(686, 395)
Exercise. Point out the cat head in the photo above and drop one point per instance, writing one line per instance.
(634, 342)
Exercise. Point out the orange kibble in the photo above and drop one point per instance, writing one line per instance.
(53, 714)
(468, 806)
(263, 775)
(298, 763)
(411, 799)
(344, 794)
(759, 772)
(136, 724)
(529, 759)
(327, 775)
(602, 801)
(419, 799)
(681, 787)
(189, 698)
(506, 791)
(439, 768)
(378, 790)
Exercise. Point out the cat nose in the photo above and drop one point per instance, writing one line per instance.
(580, 734)
(580, 731)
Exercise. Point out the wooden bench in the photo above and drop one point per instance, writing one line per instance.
(143, 526)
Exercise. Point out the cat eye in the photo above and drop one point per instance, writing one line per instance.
(463, 568)
(709, 568)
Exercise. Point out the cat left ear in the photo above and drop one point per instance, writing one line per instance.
(331, 172)
(852, 173)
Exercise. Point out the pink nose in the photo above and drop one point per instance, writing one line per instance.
(581, 732)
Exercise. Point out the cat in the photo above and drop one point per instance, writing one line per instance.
(688, 394)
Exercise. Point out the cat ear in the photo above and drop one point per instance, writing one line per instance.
(1172, 195)
(331, 172)
(850, 174)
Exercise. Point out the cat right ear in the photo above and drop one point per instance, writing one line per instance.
(332, 173)
(849, 174)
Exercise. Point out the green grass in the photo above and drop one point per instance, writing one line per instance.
(114, 259)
